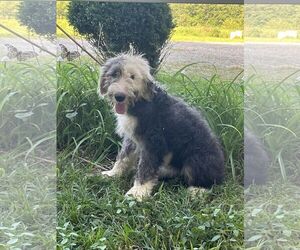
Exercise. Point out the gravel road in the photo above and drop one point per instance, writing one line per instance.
(227, 58)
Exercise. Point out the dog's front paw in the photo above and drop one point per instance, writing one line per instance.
(135, 193)
(138, 192)
(196, 191)
(109, 173)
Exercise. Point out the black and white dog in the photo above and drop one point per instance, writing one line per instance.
(162, 136)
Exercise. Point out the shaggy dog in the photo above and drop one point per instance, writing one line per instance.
(162, 136)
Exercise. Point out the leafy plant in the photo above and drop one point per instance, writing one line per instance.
(115, 27)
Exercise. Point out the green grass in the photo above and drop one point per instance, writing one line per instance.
(85, 123)
(272, 216)
(192, 34)
(180, 34)
(93, 212)
(202, 34)
(272, 112)
(27, 155)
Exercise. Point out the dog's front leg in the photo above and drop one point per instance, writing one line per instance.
(126, 159)
(147, 175)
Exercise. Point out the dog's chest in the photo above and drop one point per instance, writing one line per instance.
(126, 126)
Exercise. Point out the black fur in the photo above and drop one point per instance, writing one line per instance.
(110, 72)
(168, 125)
(128, 147)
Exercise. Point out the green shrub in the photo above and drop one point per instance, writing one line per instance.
(144, 26)
(39, 16)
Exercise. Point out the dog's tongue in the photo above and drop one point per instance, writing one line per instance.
(120, 107)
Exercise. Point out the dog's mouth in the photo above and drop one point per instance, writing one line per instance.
(120, 102)
(120, 107)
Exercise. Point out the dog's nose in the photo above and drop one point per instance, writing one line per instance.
(120, 97)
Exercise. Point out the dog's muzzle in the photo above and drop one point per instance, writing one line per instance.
(120, 105)
(120, 97)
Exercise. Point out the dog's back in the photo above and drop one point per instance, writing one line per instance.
(183, 132)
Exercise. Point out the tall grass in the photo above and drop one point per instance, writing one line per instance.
(27, 155)
(272, 111)
(85, 123)
(27, 104)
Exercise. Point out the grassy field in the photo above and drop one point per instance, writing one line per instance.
(93, 214)
(192, 34)
(197, 34)
(271, 216)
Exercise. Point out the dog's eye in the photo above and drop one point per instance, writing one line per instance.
(114, 74)
(132, 76)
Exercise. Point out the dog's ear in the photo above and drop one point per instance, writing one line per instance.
(149, 84)
(150, 89)
(103, 85)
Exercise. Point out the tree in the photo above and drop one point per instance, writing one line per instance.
(39, 16)
(115, 27)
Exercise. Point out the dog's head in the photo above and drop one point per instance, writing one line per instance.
(124, 80)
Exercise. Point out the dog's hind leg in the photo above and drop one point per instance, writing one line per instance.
(203, 170)
(126, 159)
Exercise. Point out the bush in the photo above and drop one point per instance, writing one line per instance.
(39, 16)
(145, 26)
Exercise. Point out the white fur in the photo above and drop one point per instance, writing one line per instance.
(118, 168)
(140, 191)
(122, 165)
(126, 125)
(196, 191)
